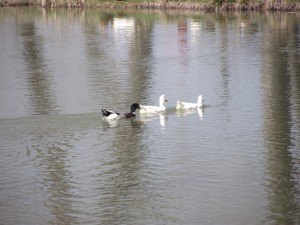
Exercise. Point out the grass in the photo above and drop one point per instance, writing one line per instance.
(209, 5)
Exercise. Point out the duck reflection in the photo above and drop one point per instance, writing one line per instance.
(124, 179)
(110, 123)
(114, 123)
(163, 120)
(145, 118)
(200, 113)
(185, 112)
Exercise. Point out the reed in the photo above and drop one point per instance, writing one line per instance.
(282, 5)
(204, 5)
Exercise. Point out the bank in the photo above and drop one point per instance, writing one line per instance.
(203, 5)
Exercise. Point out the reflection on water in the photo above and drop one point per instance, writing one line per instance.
(280, 102)
(161, 117)
(181, 112)
(62, 164)
(39, 76)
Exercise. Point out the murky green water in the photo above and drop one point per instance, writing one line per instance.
(235, 162)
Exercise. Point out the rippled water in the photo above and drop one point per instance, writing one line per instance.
(237, 161)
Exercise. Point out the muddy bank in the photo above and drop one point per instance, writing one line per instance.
(162, 4)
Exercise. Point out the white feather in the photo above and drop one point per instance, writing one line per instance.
(188, 105)
(155, 109)
(113, 116)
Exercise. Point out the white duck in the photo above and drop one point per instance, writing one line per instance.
(155, 109)
(188, 105)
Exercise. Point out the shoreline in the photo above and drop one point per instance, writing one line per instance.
(160, 5)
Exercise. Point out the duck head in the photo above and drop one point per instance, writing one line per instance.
(162, 100)
(134, 107)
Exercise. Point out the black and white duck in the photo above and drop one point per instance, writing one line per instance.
(112, 115)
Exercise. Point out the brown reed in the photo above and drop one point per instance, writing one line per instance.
(198, 5)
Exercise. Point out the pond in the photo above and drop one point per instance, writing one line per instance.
(234, 161)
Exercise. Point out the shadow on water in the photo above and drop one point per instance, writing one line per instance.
(280, 76)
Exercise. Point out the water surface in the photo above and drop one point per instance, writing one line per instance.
(236, 161)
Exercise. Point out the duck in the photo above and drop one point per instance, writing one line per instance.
(187, 105)
(112, 115)
(155, 109)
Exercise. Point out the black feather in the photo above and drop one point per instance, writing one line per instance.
(106, 113)
(133, 107)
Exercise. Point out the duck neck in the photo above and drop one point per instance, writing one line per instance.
(199, 103)
(133, 110)
(161, 102)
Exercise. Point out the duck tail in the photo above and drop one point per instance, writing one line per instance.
(105, 112)
(179, 103)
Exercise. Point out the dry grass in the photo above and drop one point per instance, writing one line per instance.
(282, 5)
(203, 5)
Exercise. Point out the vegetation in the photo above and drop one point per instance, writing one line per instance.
(210, 5)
